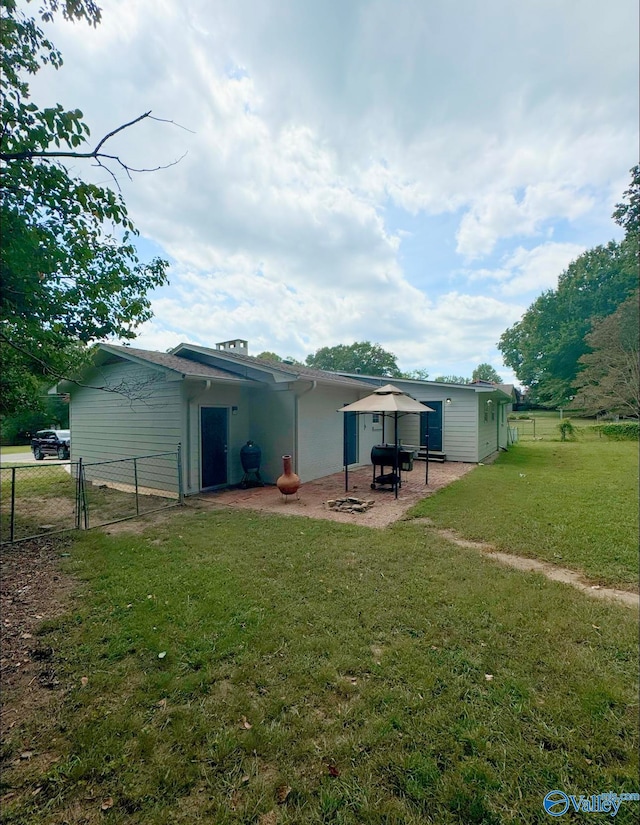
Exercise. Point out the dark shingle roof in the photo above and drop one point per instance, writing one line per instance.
(192, 368)
(295, 370)
(173, 362)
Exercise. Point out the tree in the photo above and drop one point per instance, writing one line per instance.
(609, 380)
(277, 359)
(361, 356)
(18, 428)
(545, 347)
(69, 269)
(627, 213)
(485, 372)
(416, 375)
(451, 379)
(269, 356)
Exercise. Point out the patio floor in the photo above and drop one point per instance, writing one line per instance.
(313, 495)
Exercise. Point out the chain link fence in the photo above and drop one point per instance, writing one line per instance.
(44, 499)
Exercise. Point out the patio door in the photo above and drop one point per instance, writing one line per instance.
(213, 446)
(431, 426)
(350, 438)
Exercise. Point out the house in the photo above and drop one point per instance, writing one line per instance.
(136, 402)
(211, 401)
(468, 422)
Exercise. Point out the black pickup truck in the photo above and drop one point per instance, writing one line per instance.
(51, 442)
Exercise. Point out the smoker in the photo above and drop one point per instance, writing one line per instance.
(396, 458)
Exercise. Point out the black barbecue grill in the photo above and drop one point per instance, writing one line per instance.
(396, 459)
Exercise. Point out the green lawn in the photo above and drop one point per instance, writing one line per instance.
(249, 668)
(13, 450)
(543, 424)
(572, 503)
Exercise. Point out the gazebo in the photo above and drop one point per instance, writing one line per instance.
(386, 401)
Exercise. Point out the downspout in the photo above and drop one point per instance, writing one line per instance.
(314, 384)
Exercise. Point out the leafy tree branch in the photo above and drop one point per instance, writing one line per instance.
(69, 269)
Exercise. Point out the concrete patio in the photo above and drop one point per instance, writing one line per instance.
(311, 500)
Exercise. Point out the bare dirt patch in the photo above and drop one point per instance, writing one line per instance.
(313, 496)
(33, 589)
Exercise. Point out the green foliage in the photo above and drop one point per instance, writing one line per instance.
(567, 430)
(619, 430)
(269, 356)
(361, 356)
(609, 380)
(451, 379)
(545, 347)
(627, 213)
(17, 429)
(69, 269)
(485, 372)
(416, 375)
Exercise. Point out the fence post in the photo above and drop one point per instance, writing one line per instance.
(180, 487)
(13, 504)
(85, 506)
(135, 477)
(78, 492)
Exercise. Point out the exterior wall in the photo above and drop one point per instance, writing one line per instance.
(272, 427)
(321, 432)
(504, 410)
(218, 395)
(107, 426)
(488, 425)
(459, 419)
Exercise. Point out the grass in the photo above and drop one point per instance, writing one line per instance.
(13, 450)
(574, 504)
(543, 424)
(45, 495)
(316, 672)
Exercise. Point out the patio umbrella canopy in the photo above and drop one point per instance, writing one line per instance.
(383, 400)
(386, 399)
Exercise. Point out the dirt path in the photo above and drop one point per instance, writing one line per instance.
(551, 571)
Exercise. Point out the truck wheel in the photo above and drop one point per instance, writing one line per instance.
(62, 453)
(38, 454)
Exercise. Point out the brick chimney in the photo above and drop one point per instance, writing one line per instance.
(238, 346)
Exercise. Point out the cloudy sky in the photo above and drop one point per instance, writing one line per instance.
(409, 172)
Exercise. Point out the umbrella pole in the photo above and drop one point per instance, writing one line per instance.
(344, 452)
(426, 478)
(396, 469)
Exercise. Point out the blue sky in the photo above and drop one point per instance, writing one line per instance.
(410, 172)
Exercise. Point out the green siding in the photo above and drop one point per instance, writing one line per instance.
(113, 425)
(110, 426)
(459, 420)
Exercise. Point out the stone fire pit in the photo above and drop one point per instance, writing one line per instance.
(350, 504)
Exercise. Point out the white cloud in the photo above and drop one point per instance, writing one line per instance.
(530, 271)
(500, 215)
(309, 119)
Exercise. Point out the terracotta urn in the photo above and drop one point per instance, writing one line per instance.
(289, 482)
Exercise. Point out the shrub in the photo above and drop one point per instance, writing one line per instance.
(567, 430)
(619, 431)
